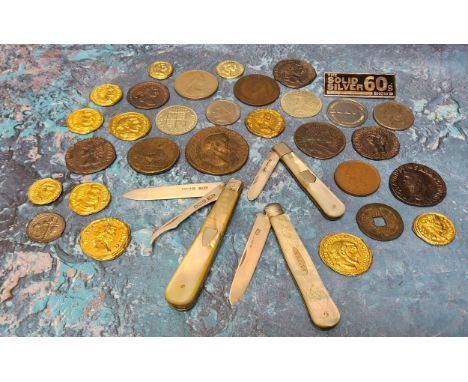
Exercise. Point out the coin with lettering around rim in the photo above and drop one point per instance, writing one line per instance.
(223, 112)
(256, 90)
(106, 94)
(301, 103)
(44, 191)
(319, 140)
(265, 123)
(160, 70)
(294, 73)
(148, 95)
(347, 113)
(176, 120)
(84, 121)
(393, 116)
(217, 151)
(90, 155)
(153, 155)
(390, 226)
(196, 84)
(434, 228)
(230, 69)
(357, 178)
(89, 198)
(129, 126)
(45, 227)
(375, 143)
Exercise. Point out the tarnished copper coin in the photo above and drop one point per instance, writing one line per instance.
(294, 73)
(357, 178)
(148, 95)
(223, 112)
(196, 84)
(217, 151)
(393, 116)
(319, 140)
(90, 155)
(417, 185)
(153, 155)
(256, 90)
(375, 143)
(45, 227)
(347, 112)
(380, 222)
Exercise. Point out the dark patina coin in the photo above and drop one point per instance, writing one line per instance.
(380, 222)
(256, 90)
(153, 155)
(417, 185)
(45, 227)
(294, 73)
(375, 143)
(319, 140)
(148, 95)
(90, 155)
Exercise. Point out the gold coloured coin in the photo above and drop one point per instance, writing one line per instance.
(266, 123)
(129, 126)
(230, 69)
(106, 94)
(160, 70)
(44, 191)
(84, 121)
(301, 103)
(89, 198)
(176, 120)
(346, 254)
(434, 228)
(105, 239)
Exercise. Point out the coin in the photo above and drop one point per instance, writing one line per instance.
(256, 90)
(45, 227)
(105, 239)
(176, 120)
(196, 84)
(160, 70)
(90, 155)
(357, 178)
(222, 112)
(346, 254)
(347, 113)
(319, 140)
(106, 94)
(217, 151)
(301, 103)
(153, 155)
(434, 228)
(393, 116)
(390, 226)
(417, 185)
(129, 126)
(44, 191)
(294, 73)
(84, 121)
(148, 95)
(375, 143)
(89, 198)
(266, 123)
(230, 69)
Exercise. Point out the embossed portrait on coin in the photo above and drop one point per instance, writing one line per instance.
(377, 143)
(346, 254)
(105, 238)
(215, 150)
(415, 183)
(90, 198)
(129, 125)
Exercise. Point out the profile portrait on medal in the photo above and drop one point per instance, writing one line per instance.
(215, 151)
(346, 254)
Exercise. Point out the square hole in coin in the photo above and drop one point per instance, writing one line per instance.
(379, 221)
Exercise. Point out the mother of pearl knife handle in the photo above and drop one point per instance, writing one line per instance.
(323, 197)
(187, 281)
(322, 310)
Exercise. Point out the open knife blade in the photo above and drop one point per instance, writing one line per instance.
(178, 191)
(263, 175)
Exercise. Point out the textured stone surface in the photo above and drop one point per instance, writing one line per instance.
(411, 289)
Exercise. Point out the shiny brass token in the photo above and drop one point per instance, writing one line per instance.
(89, 198)
(106, 94)
(105, 239)
(84, 121)
(230, 69)
(346, 254)
(44, 191)
(222, 112)
(160, 70)
(196, 84)
(434, 228)
(176, 120)
(266, 123)
(393, 116)
(301, 103)
(347, 113)
(129, 126)
(45, 227)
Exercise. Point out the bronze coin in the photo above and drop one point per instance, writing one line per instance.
(90, 155)
(393, 115)
(153, 155)
(217, 151)
(347, 113)
(417, 185)
(375, 143)
(319, 140)
(357, 178)
(256, 90)
(148, 95)
(390, 227)
(294, 73)
(45, 227)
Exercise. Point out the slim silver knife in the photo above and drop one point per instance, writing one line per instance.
(178, 191)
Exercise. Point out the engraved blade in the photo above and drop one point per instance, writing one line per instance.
(179, 191)
(249, 259)
(263, 175)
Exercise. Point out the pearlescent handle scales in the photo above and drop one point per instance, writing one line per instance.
(187, 281)
(332, 207)
(322, 310)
